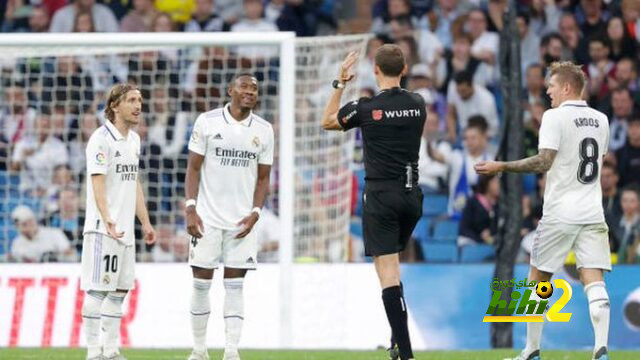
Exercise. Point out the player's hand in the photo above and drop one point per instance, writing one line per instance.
(195, 227)
(149, 234)
(489, 167)
(346, 73)
(111, 230)
(247, 224)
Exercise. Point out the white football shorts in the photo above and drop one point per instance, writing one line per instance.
(554, 240)
(219, 246)
(107, 264)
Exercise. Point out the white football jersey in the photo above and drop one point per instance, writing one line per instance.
(232, 150)
(110, 154)
(580, 134)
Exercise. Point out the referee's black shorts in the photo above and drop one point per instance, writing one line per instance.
(389, 215)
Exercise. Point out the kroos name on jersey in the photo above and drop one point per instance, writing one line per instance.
(586, 122)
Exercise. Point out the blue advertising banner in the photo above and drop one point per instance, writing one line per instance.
(449, 302)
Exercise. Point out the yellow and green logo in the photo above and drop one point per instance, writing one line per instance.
(522, 308)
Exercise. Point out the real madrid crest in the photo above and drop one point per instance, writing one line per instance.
(106, 279)
(256, 141)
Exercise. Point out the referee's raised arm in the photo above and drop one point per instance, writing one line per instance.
(330, 115)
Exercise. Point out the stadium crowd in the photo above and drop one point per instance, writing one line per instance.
(51, 106)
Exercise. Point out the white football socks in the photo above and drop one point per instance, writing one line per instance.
(599, 309)
(91, 321)
(200, 310)
(111, 313)
(233, 312)
(534, 329)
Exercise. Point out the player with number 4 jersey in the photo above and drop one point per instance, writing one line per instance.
(572, 142)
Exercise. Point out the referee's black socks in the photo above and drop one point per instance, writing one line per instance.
(397, 315)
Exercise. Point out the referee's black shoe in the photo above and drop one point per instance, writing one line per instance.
(394, 352)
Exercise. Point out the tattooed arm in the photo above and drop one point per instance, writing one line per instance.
(535, 164)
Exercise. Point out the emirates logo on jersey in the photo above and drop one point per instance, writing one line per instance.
(376, 115)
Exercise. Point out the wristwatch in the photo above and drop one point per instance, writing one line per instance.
(338, 84)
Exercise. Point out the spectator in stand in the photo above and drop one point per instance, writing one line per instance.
(394, 9)
(479, 224)
(139, 19)
(626, 230)
(529, 42)
(622, 108)
(35, 21)
(162, 251)
(409, 49)
(63, 19)
(459, 59)
(306, 18)
(88, 122)
(62, 178)
(68, 216)
(422, 81)
(628, 156)
(599, 69)
(591, 17)
(545, 15)
(466, 100)
(461, 162)
(229, 10)
(16, 118)
(254, 21)
(35, 243)
(631, 14)
(535, 90)
(551, 47)
(83, 22)
(365, 66)
(204, 19)
(610, 194)
(626, 76)
(269, 234)
(622, 44)
(37, 155)
(576, 45)
(532, 123)
(441, 18)
(485, 43)
(433, 175)
(179, 11)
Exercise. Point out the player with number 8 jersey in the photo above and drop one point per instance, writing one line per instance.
(572, 143)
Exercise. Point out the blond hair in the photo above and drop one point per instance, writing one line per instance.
(568, 73)
(114, 97)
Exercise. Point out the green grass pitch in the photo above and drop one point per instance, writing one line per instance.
(78, 354)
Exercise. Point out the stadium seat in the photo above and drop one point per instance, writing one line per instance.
(477, 253)
(434, 252)
(434, 205)
(422, 231)
(446, 230)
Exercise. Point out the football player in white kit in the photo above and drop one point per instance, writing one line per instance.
(572, 142)
(108, 249)
(230, 157)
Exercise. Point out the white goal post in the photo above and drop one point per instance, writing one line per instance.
(312, 173)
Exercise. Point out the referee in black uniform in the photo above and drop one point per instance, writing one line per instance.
(391, 123)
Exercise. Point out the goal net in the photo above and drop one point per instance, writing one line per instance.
(53, 91)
